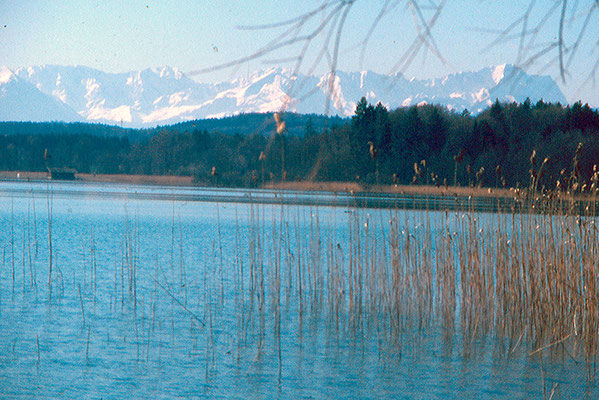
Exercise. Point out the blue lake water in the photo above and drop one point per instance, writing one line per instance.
(214, 293)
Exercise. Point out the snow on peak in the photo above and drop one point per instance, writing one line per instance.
(271, 72)
(166, 71)
(331, 85)
(118, 114)
(498, 73)
(481, 95)
(362, 76)
(5, 74)
(177, 98)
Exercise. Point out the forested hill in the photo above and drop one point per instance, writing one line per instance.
(505, 145)
(72, 128)
(242, 124)
(258, 123)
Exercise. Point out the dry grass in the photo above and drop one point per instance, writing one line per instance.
(353, 187)
(10, 175)
(162, 180)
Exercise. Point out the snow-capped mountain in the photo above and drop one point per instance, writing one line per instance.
(165, 95)
(22, 101)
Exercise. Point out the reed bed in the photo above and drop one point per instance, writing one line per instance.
(526, 279)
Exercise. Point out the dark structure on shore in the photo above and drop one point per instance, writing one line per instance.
(62, 174)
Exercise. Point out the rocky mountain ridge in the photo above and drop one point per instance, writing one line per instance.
(165, 95)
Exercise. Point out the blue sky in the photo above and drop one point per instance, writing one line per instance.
(125, 35)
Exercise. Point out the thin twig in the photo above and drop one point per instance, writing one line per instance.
(181, 304)
(549, 345)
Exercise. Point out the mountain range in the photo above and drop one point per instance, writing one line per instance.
(165, 95)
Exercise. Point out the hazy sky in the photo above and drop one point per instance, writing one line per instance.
(120, 36)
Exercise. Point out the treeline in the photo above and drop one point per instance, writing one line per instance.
(431, 144)
(502, 146)
(257, 123)
(244, 124)
(8, 128)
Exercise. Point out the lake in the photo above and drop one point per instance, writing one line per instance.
(112, 291)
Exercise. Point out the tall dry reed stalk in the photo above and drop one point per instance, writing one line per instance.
(49, 216)
(12, 244)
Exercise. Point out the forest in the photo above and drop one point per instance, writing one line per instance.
(506, 145)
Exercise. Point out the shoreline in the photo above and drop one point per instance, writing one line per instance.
(334, 187)
(418, 197)
(407, 190)
(154, 180)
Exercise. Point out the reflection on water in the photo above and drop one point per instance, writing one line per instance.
(154, 294)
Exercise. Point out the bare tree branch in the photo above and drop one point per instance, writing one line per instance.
(408, 56)
(547, 33)
(319, 32)
(561, 40)
(571, 33)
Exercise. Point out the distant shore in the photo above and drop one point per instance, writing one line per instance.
(158, 180)
(343, 187)
(420, 190)
(425, 197)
